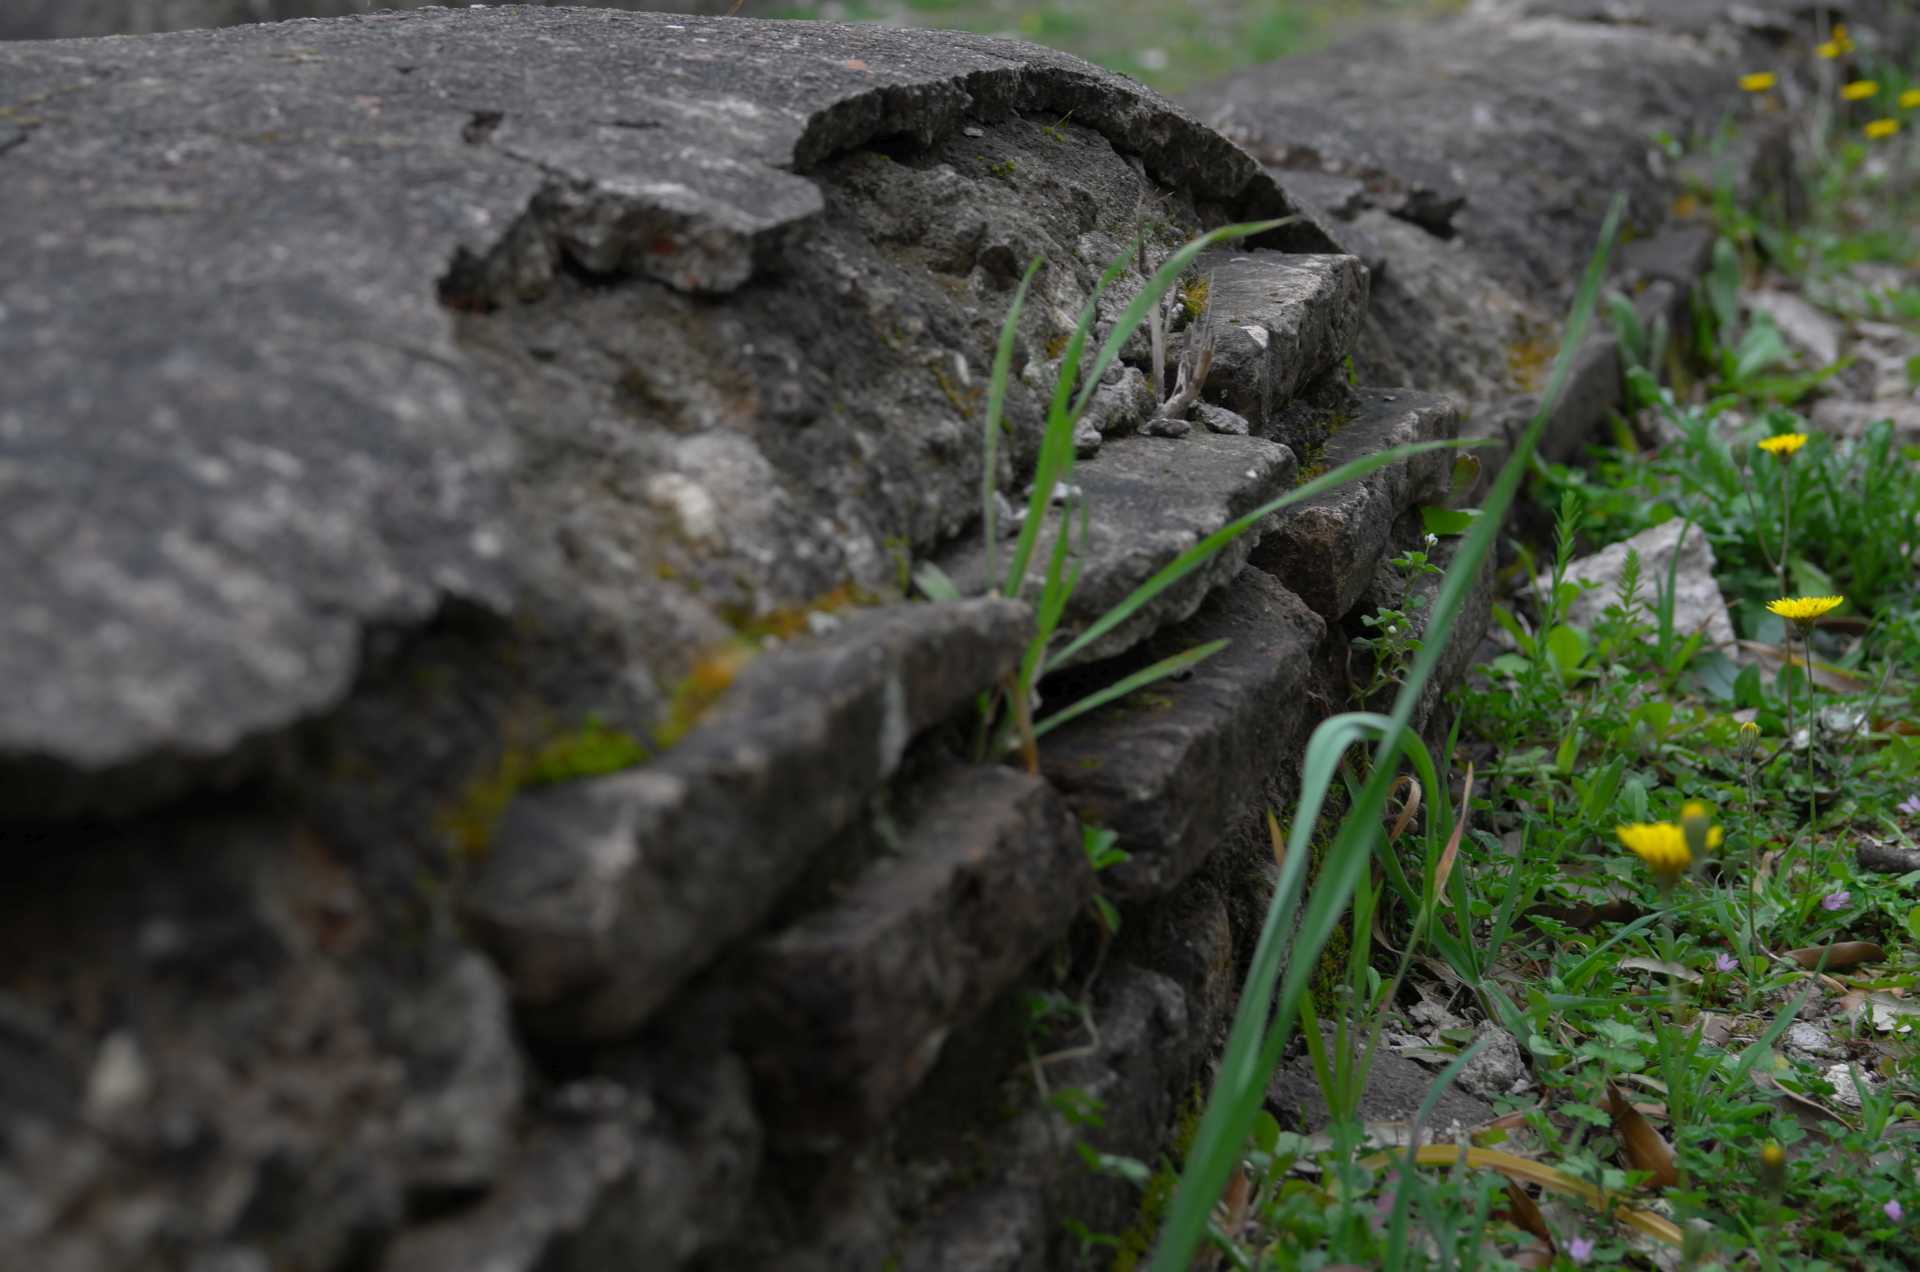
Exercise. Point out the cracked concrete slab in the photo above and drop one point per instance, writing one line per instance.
(239, 268)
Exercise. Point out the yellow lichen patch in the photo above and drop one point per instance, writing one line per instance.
(965, 397)
(1528, 362)
(589, 751)
(788, 621)
(712, 675)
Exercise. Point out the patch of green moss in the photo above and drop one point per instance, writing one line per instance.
(589, 751)
(1330, 972)
(1193, 297)
(1136, 1243)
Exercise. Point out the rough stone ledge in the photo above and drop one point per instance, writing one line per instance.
(601, 897)
(1172, 769)
(1147, 500)
(1278, 322)
(302, 472)
(1325, 550)
(849, 1008)
(607, 1171)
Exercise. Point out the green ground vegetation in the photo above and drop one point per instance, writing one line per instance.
(1680, 876)
(1170, 44)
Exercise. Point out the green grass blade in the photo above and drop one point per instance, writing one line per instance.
(1241, 1081)
(1055, 461)
(1138, 680)
(996, 413)
(1403, 1194)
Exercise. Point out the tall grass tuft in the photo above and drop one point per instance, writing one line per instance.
(1285, 957)
(1053, 469)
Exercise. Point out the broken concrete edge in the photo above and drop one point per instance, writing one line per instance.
(1177, 149)
(717, 248)
(1151, 1142)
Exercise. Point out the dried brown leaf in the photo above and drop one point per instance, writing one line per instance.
(1840, 955)
(1452, 850)
(1407, 809)
(1643, 1146)
(1524, 1213)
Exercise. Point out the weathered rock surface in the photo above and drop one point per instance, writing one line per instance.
(1697, 603)
(65, 19)
(601, 897)
(1326, 548)
(851, 1005)
(345, 453)
(1176, 767)
(1139, 504)
(1471, 162)
(389, 394)
(1396, 1088)
(1278, 322)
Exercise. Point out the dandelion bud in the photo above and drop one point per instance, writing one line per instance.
(1749, 740)
(1773, 1166)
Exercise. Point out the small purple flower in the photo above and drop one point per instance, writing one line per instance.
(1911, 806)
(1726, 962)
(1893, 1211)
(1836, 900)
(1580, 1249)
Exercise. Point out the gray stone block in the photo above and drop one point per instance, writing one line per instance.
(849, 1007)
(1180, 764)
(601, 897)
(1326, 549)
(1278, 322)
(1145, 501)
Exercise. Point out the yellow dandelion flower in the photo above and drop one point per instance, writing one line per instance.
(1881, 129)
(1830, 50)
(1759, 81)
(1860, 90)
(1910, 100)
(1662, 845)
(1804, 609)
(1783, 445)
